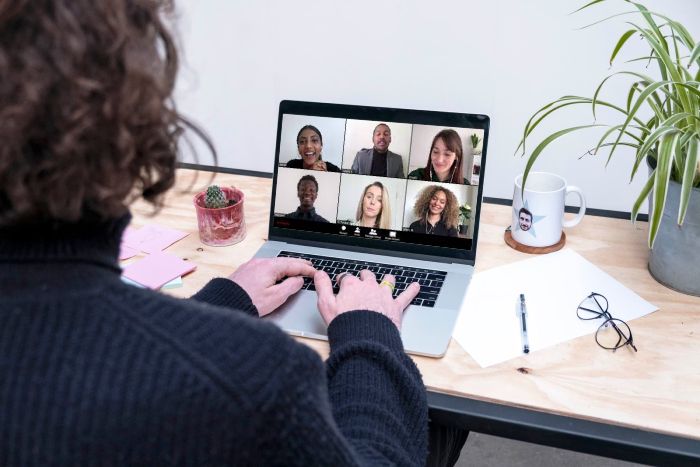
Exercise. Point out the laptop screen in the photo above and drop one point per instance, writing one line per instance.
(360, 175)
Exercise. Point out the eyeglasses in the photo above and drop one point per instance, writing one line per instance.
(613, 333)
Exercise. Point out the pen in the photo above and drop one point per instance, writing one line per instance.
(523, 324)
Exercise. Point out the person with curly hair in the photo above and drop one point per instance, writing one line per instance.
(437, 210)
(445, 160)
(373, 208)
(98, 372)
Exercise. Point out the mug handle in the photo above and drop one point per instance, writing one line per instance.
(581, 210)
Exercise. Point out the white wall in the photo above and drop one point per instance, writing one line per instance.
(504, 58)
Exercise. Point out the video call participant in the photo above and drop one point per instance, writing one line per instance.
(437, 210)
(373, 209)
(307, 192)
(310, 145)
(444, 161)
(524, 219)
(379, 160)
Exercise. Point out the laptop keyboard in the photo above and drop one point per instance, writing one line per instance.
(430, 280)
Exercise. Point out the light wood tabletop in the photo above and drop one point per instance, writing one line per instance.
(656, 389)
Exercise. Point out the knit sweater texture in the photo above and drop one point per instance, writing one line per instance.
(97, 372)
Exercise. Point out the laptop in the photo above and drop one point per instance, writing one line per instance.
(391, 190)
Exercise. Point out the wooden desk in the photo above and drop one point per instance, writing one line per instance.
(641, 406)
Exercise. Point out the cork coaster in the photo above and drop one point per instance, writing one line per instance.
(533, 250)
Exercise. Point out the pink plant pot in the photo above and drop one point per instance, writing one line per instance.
(222, 226)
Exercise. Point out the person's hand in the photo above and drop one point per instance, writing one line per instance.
(363, 293)
(320, 165)
(258, 277)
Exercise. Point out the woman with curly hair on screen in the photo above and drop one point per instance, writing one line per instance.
(97, 372)
(437, 210)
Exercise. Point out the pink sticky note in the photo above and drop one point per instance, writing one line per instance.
(152, 238)
(126, 252)
(157, 269)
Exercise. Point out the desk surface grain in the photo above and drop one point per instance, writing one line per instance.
(655, 389)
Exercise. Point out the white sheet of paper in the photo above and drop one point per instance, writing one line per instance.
(554, 285)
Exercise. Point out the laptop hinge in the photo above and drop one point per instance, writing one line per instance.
(374, 251)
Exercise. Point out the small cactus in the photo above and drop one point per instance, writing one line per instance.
(215, 198)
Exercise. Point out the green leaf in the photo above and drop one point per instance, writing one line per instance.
(609, 131)
(642, 97)
(530, 126)
(691, 162)
(620, 43)
(646, 189)
(661, 177)
(586, 6)
(695, 55)
(535, 154)
(665, 127)
(644, 79)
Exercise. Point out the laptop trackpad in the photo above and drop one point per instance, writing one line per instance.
(299, 316)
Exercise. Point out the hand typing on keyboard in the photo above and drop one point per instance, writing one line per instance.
(362, 293)
(259, 277)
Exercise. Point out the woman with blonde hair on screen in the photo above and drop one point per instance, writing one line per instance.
(437, 210)
(373, 209)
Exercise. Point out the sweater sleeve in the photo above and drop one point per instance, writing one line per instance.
(226, 293)
(377, 393)
(369, 408)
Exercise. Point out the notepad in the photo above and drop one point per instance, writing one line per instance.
(126, 252)
(173, 284)
(157, 269)
(554, 284)
(151, 238)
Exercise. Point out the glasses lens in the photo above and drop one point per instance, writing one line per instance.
(592, 307)
(613, 334)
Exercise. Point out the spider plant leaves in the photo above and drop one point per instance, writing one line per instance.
(665, 127)
(642, 197)
(633, 111)
(540, 147)
(689, 169)
(661, 181)
(661, 113)
(695, 55)
(620, 43)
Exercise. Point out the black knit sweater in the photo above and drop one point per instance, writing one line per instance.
(94, 371)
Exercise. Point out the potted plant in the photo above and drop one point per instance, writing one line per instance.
(465, 213)
(220, 216)
(475, 142)
(660, 121)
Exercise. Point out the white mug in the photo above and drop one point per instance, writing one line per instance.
(538, 213)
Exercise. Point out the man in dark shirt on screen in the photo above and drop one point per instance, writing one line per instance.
(307, 191)
(378, 160)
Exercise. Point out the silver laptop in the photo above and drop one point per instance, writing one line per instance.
(357, 187)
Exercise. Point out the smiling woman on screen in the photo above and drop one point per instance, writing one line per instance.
(310, 145)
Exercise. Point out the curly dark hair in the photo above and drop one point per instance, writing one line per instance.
(87, 122)
(450, 215)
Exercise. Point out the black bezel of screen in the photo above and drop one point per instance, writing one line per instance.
(355, 112)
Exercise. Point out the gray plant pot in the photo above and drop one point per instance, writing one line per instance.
(675, 259)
